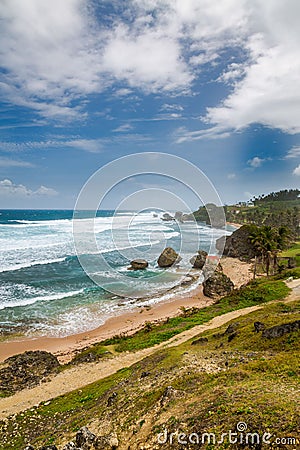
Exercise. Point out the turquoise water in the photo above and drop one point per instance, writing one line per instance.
(44, 289)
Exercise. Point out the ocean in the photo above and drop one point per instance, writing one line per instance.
(44, 290)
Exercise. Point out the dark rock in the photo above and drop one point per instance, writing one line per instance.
(109, 441)
(218, 284)
(167, 217)
(237, 245)
(259, 326)
(145, 374)
(84, 438)
(168, 258)
(232, 336)
(198, 261)
(111, 398)
(138, 264)
(232, 328)
(201, 340)
(26, 370)
(280, 330)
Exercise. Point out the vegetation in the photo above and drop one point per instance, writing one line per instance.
(278, 209)
(255, 293)
(205, 387)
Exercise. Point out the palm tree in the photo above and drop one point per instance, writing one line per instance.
(264, 240)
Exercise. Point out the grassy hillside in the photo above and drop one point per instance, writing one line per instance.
(229, 376)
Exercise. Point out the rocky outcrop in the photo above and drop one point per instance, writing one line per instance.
(198, 261)
(217, 285)
(167, 217)
(259, 326)
(280, 330)
(168, 258)
(238, 244)
(138, 264)
(26, 370)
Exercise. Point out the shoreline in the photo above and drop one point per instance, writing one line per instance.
(128, 323)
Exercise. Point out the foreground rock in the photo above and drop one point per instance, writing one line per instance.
(198, 261)
(217, 285)
(280, 330)
(237, 245)
(168, 258)
(26, 370)
(86, 440)
(138, 264)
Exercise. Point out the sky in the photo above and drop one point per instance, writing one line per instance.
(84, 82)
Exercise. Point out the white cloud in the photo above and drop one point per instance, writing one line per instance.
(231, 176)
(171, 107)
(255, 162)
(5, 162)
(296, 171)
(294, 152)
(10, 189)
(55, 54)
(88, 145)
(123, 128)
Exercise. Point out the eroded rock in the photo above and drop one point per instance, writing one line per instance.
(168, 257)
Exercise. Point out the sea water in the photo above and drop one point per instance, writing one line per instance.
(44, 290)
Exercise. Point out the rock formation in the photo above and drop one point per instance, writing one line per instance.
(168, 258)
(26, 370)
(198, 261)
(138, 264)
(280, 330)
(217, 285)
(237, 245)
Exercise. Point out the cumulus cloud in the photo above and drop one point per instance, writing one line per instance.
(56, 54)
(10, 189)
(255, 162)
(296, 171)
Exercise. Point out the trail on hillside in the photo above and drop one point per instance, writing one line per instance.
(79, 376)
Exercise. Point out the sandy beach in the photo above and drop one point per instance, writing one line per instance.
(65, 348)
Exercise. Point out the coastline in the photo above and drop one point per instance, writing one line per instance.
(65, 348)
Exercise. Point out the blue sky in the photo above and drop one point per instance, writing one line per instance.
(85, 82)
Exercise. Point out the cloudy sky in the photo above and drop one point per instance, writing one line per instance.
(86, 81)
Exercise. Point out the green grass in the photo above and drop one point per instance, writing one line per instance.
(293, 252)
(258, 387)
(255, 293)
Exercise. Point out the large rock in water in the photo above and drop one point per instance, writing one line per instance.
(138, 264)
(26, 370)
(217, 285)
(168, 258)
(198, 261)
(237, 245)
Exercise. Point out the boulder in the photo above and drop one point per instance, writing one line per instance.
(168, 258)
(238, 244)
(198, 261)
(201, 340)
(167, 217)
(217, 285)
(26, 370)
(85, 439)
(138, 264)
(109, 441)
(280, 330)
(259, 326)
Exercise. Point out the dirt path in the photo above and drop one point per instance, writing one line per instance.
(82, 375)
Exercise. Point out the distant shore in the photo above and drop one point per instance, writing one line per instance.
(65, 348)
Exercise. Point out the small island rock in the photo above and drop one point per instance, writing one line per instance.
(138, 264)
(168, 257)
